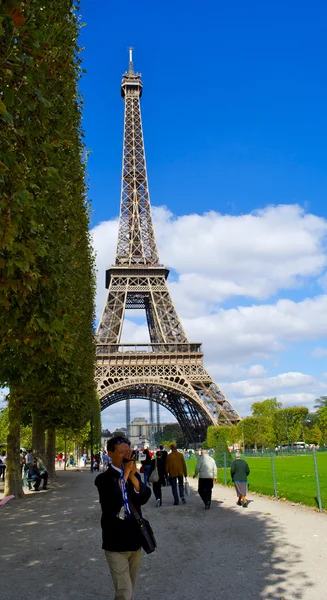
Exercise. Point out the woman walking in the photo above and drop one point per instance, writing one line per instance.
(160, 463)
(239, 472)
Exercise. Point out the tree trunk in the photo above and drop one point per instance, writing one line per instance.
(51, 452)
(13, 482)
(38, 437)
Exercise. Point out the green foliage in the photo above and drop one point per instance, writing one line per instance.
(212, 436)
(218, 438)
(264, 412)
(312, 435)
(172, 434)
(266, 408)
(3, 424)
(321, 402)
(46, 263)
(322, 422)
(250, 428)
(288, 424)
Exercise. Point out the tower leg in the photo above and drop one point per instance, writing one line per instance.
(151, 424)
(158, 422)
(128, 416)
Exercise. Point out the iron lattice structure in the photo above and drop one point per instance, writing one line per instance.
(169, 370)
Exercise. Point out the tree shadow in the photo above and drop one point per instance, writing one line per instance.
(51, 546)
(227, 552)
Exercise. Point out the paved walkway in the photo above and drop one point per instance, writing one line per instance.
(51, 548)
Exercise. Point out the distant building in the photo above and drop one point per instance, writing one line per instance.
(139, 433)
(106, 435)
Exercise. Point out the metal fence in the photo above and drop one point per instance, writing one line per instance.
(300, 477)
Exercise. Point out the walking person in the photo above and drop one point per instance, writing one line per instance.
(146, 464)
(239, 472)
(159, 463)
(176, 469)
(3, 465)
(164, 458)
(206, 468)
(119, 487)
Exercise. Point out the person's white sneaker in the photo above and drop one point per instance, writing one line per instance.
(158, 502)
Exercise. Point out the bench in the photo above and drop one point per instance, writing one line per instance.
(27, 481)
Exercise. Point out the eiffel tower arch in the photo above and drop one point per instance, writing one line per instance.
(169, 369)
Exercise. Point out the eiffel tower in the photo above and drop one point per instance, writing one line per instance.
(169, 370)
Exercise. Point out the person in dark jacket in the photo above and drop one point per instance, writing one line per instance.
(118, 487)
(164, 458)
(160, 463)
(239, 472)
(36, 474)
(146, 464)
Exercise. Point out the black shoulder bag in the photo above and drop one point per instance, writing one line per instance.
(149, 543)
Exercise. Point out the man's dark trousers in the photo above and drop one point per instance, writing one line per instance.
(173, 483)
(205, 489)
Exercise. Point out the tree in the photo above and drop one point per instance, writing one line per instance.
(322, 421)
(250, 427)
(222, 454)
(289, 424)
(46, 264)
(312, 435)
(171, 433)
(266, 408)
(320, 402)
(264, 411)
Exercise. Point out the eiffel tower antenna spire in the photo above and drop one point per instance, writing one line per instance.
(169, 370)
(131, 68)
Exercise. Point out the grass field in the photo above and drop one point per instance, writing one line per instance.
(295, 477)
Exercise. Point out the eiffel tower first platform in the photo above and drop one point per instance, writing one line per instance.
(169, 370)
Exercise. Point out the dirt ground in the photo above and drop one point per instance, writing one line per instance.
(50, 548)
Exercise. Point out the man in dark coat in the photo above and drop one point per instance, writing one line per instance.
(36, 474)
(239, 472)
(119, 486)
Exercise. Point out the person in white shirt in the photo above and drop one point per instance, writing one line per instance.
(3, 460)
(207, 470)
(29, 458)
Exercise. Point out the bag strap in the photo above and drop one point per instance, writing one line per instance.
(134, 511)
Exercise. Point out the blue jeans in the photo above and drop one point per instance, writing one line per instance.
(146, 472)
(173, 483)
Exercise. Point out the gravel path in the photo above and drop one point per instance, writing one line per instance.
(50, 548)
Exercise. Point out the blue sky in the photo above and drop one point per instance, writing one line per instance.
(235, 125)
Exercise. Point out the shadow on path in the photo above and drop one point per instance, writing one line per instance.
(51, 549)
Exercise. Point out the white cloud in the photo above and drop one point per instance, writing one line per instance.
(222, 256)
(249, 333)
(257, 371)
(292, 389)
(318, 352)
(104, 238)
(270, 386)
(254, 255)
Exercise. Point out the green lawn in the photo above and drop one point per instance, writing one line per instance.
(295, 477)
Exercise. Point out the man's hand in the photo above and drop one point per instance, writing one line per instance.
(129, 467)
